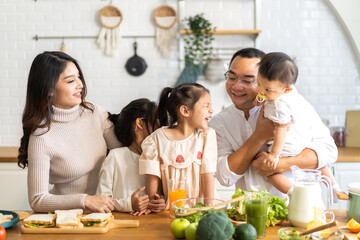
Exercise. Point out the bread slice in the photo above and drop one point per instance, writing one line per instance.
(69, 218)
(5, 218)
(77, 211)
(96, 219)
(40, 220)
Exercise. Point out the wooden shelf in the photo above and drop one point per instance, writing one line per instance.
(224, 32)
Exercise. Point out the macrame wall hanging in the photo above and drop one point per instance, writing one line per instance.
(110, 18)
(165, 18)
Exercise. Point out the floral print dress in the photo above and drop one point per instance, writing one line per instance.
(185, 159)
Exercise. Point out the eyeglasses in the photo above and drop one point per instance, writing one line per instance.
(232, 77)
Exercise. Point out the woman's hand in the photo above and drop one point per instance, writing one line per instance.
(99, 203)
(139, 204)
(157, 204)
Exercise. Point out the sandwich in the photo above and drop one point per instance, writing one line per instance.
(96, 219)
(5, 218)
(68, 218)
(40, 221)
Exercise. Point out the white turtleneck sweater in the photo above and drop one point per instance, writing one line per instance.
(69, 156)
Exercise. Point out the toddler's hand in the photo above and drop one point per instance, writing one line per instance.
(139, 203)
(272, 160)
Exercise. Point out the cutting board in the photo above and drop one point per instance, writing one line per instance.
(111, 225)
(352, 129)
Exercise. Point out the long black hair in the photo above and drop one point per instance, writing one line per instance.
(171, 99)
(124, 121)
(44, 73)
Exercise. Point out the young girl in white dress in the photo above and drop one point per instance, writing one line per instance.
(119, 175)
(184, 147)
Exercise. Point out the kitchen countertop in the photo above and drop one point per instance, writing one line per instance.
(152, 226)
(347, 154)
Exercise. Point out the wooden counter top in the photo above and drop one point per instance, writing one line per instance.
(8, 154)
(347, 154)
(152, 226)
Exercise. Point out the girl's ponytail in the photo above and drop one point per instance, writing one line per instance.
(162, 112)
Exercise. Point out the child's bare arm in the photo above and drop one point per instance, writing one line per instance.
(207, 180)
(152, 185)
(280, 182)
(278, 145)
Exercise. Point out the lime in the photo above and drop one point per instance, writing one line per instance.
(245, 232)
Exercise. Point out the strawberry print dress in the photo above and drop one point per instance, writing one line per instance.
(184, 159)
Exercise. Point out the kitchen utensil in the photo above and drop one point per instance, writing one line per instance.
(307, 195)
(319, 228)
(185, 212)
(111, 225)
(135, 65)
(182, 205)
(110, 18)
(353, 210)
(353, 129)
(13, 221)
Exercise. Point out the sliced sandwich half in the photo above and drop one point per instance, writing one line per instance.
(96, 219)
(68, 218)
(40, 220)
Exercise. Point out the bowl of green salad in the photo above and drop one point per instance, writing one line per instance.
(186, 208)
(292, 233)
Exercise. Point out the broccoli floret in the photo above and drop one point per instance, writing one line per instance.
(215, 226)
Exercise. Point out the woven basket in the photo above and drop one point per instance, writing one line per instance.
(110, 11)
(165, 11)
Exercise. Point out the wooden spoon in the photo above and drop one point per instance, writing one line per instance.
(190, 211)
(322, 227)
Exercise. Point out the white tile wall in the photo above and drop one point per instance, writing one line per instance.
(305, 29)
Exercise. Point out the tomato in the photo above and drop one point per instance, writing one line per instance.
(2, 233)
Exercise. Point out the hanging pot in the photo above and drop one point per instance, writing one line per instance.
(135, 65)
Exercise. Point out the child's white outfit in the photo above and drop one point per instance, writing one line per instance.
(289, 107)
(119, 177)
(292, 107)
(184, 159)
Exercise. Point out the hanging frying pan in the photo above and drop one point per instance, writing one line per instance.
(135, 65)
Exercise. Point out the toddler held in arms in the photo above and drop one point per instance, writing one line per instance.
(119, 175)
(184, 147)
(291, 114)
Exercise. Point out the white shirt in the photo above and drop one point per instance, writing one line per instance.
(232, 130)
(305, 120)
(119, 177)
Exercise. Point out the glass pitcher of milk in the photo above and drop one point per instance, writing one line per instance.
(307, 195)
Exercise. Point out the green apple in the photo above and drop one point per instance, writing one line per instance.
(190, 232)
(178, 227)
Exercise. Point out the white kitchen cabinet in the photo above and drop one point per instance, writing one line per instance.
(345, 173)
(13, 187)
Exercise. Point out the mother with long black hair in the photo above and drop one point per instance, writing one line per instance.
(65, 138)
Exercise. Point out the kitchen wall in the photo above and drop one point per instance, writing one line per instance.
(305, 29)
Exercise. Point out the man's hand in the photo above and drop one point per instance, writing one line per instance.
(157, 204)
(99, 203)
(139, 204)
(265, 128)
(260, 164)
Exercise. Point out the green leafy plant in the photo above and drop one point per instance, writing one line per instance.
(198, 38)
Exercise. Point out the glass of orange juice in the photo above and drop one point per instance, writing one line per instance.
(176, 191)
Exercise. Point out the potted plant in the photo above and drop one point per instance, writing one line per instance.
(198, 49)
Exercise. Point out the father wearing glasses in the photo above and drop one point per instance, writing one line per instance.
(242, 133)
